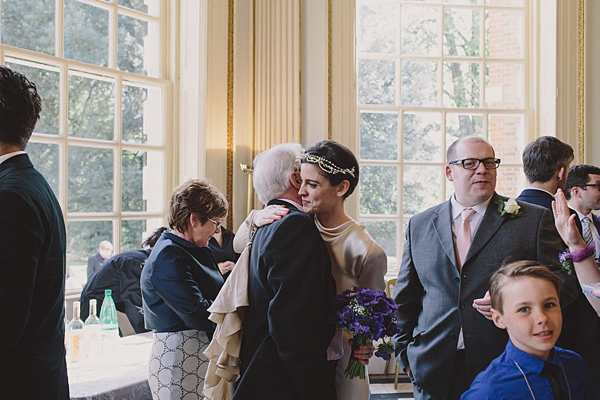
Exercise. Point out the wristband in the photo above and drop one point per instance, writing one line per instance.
(582, 254)
(567, 259)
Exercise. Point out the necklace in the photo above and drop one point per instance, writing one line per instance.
(529, 386)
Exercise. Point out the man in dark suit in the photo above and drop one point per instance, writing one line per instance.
(32, 257)
(96, 260)
(121, 274)
(444, 341)
(546, 163)
(287, 326)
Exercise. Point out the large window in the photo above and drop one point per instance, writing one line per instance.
(100, 141)
(428, 73)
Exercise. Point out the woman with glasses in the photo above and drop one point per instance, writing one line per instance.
(179, 282)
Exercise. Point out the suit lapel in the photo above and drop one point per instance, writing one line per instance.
(488, 227)
(442, 222)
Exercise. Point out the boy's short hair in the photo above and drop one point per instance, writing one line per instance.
(517, 269)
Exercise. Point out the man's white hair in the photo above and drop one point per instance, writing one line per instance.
(272, 170)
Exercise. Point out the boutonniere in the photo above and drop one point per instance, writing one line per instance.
(509, 208)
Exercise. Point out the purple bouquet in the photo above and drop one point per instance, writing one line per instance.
(368, 315)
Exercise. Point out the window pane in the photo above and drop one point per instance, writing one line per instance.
(504, 85)
(91, 179)
(91, 108)
(420, 83)
(462, 32)
(142, 114)
(138, 46)
(378, 190)
(151, 7)
(505, 33)
(377, 26)
(47, 81)
(461, 84)
(509, 179)
(83, 238)
(385, 234)
(461, 125)
(422, 137)
(44, 157)
(520, 3)
(507, 135)
(420, 28)
(420, 189)
(86, 33)
(28, 24)
(135, 231)
(378, 136)
(463, 1)
(142, 180)
(376, 82)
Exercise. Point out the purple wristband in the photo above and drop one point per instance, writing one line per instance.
(582, 254)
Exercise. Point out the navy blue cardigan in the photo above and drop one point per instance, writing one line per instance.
(179, 282)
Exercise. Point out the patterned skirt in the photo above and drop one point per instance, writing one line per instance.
(177, 365)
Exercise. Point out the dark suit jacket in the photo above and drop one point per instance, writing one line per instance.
(179, 282)
(435, 299)
(287, 326)
(94, 263)
(32, 291)
(543, 199)
(120, 273)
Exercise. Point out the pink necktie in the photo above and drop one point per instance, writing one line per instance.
(463, 236)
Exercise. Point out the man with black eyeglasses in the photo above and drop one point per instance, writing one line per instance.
(583, 195)
(450, 252)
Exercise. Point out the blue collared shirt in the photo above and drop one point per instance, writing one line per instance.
(502, 379)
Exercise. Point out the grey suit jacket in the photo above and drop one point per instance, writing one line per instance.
(435, 300)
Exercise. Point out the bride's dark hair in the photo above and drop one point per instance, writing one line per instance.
(345, 164)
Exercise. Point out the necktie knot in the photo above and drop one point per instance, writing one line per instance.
(466, 214)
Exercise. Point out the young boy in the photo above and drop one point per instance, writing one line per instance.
(525, 302)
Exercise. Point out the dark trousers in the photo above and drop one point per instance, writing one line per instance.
(460, 383)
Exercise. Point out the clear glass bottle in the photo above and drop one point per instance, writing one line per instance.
(108, 319)
(93, 332)
(75, 335)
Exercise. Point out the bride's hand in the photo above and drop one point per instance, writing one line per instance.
(363, 353)
(269, 214)
(565, 223)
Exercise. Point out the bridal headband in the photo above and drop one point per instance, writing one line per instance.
(326, 165)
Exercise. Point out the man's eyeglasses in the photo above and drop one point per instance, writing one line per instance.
(217, 223)
(591, 184)
(473, 163)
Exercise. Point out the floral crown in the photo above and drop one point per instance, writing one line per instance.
(326, 165)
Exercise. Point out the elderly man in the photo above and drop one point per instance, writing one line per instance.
(286, 328)
(96, 260)
(450, 252)
(32, 257)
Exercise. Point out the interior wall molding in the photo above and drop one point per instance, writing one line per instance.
(581, 81)
(229, 149)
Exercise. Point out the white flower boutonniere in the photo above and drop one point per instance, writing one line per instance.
(509, 208)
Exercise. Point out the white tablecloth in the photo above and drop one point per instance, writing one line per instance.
(118, 373)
